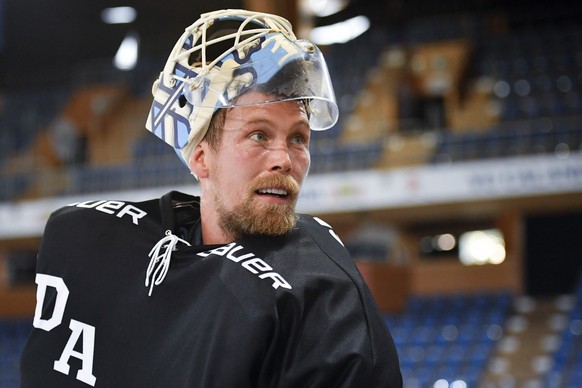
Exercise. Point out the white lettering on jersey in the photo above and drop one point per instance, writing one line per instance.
(331, 231)
(256, 265)
(236, 259)
(85, 374)
(277, 279)
(87, 204)
(56, 318)
(110, 207)
(132, 211)
(250, 262)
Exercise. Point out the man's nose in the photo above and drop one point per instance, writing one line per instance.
(280, 159)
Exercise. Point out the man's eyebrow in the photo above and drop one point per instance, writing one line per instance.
(263, 120)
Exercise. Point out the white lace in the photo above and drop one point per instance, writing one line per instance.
(160, 256)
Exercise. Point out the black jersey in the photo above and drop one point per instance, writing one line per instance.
(290, 311)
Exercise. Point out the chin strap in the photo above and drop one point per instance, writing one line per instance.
(160, 256)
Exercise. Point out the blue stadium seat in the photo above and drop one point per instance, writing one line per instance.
(447, 336)
(567, 366)
(13, 334)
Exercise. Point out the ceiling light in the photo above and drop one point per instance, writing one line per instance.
(127, 54)
(118, 15)
(340, 32)
(324, 8)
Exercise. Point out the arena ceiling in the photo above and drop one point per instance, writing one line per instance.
(40, 36)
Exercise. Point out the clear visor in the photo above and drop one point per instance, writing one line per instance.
(288, 71)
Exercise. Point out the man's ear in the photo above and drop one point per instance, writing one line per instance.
(198, 161)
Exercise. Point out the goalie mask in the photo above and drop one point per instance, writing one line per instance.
(222, 56)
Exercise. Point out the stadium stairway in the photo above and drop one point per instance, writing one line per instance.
(532, 333)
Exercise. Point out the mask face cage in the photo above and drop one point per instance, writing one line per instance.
(226, 54)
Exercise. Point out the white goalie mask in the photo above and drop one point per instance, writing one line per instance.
(222, 56)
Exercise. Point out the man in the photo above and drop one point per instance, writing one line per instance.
(232, 289)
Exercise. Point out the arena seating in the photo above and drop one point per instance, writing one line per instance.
(541, 136)
(448, 337)
(13, 334)
(455, 338)
(535, 69)
(567, 359)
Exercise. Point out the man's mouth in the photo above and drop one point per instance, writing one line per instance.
(279, 193)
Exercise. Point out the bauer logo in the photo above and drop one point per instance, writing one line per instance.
(236, 253)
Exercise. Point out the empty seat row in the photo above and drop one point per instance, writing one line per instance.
(448, 337)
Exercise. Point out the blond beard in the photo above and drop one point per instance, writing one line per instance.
(250, 219)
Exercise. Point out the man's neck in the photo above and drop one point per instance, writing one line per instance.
(212, 233)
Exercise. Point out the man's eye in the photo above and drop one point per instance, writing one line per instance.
(298, 139)
(258, 136)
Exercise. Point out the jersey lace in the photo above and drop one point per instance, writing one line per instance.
(160, 257)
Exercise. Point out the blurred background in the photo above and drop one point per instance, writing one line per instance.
(454, 175)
